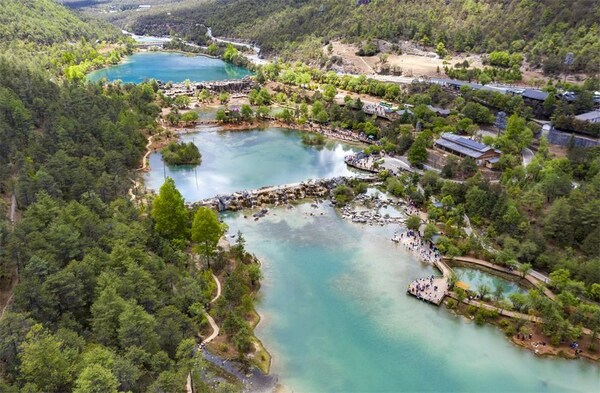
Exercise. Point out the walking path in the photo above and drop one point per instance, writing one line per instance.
(501, 311)
(431, 289)
(507, 313)
(15, 272)
(434, 289)
(148, 151)
(15, 281)
(143, 167)
(215, 333)
(13, 210)
(214, 326)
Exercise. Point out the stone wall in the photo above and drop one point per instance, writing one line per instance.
(564, 139)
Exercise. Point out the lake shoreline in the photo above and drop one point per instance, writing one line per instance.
(537, 344)
(534, 344)
(542, 350)
(163, 65)
(137, 49)
(248, 126)
(327, 132)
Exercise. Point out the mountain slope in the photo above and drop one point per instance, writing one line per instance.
(81, 249)
(544, 30)
(46, 22)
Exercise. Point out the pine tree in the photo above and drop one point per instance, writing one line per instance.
(169, 212)
(206, 231)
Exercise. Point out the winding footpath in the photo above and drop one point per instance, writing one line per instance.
(215, 333)
(15, 281)
(214, 326)
(15, 272)
(143, 167)
(148, 151)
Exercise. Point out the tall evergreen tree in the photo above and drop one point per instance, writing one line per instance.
(169, 212)
(206, 231)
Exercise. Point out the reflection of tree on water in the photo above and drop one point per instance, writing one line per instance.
(499, 287)
(233, 72)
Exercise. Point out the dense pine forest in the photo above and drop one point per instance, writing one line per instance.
(60, 42)
(105, 299)
(111, 295)
(545, 31)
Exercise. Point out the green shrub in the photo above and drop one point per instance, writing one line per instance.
(480, 318)
(471, 309)
(181, 154)
(343, 194)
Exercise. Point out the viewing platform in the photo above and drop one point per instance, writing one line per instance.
(432, 289)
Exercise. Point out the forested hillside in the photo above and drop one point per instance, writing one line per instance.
(544, 30)
(51, 38)
(103, 301)
(46, 22)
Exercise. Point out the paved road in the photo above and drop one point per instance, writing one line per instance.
(396, 164)
(527, 155)
(254, 58)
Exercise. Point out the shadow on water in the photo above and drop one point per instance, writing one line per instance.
(254, 380)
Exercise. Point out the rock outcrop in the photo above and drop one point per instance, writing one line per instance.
(276, 195)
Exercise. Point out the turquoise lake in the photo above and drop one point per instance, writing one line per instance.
(335, 314)
(337, 319)
(475, 278)
(169, 67)
(244, 160)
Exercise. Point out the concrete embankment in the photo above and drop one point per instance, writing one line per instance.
(529, 280)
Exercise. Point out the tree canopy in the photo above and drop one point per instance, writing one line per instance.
(169, 212)
(206, 230)
(546, 31)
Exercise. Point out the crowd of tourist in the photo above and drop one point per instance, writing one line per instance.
(425, 250)
(425, 288)
(361, 161)
(430, 288)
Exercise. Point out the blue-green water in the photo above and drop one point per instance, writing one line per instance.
(337, 319)
(475, 278)
(244, 160)
(169, 66)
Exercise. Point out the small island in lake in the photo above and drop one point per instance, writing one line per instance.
(181, 154)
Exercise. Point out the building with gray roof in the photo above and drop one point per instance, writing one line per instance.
(590, 117)
(535, 95)
(465, 147)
